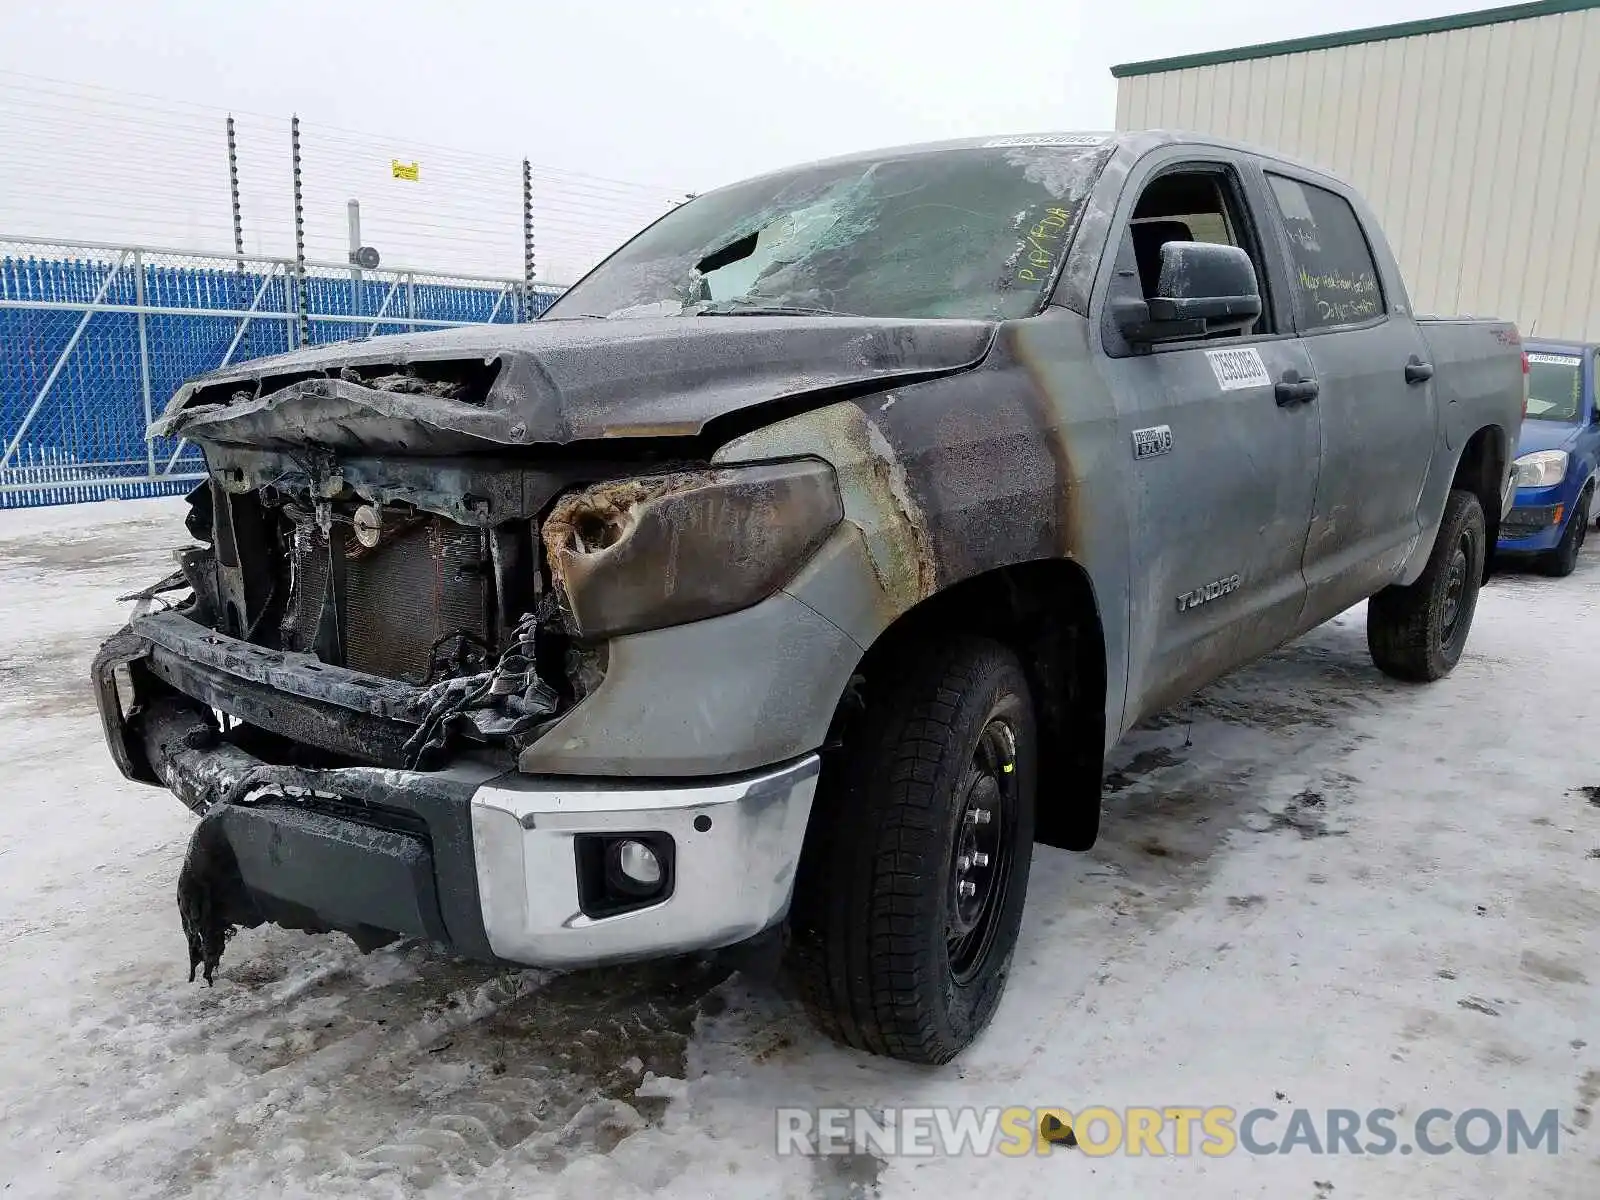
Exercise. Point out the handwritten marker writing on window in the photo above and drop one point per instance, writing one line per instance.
(1037, 245)
(409, 171)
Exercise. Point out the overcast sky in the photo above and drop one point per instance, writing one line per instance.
(676, 95)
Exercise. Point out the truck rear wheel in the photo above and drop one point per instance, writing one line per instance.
(1563, 560)
(1417, 633)
(911, 886)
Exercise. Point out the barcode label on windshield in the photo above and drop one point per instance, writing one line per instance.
(1047, 139)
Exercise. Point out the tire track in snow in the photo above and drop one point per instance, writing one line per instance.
(164, 1078)
(546, 1076)
(330, 1072)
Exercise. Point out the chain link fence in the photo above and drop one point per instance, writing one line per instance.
(95, 337)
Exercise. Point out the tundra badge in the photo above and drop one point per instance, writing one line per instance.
(1208, 593)
(1147, 443)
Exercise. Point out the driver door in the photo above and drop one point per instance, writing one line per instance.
(1223, 467)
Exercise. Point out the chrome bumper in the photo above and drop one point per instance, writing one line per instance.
(736, 844)
(474, 857)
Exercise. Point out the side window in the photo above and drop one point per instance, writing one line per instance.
(1191, 206)
(1332, 272)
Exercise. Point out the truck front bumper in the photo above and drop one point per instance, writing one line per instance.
(491, 863)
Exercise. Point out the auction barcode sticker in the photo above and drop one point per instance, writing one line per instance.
(1047, 139)
(1236, 369)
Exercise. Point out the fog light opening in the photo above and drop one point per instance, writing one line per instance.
(620, 872)
(634, 867)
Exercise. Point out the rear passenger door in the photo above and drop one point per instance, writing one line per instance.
(1377, 402)
(1222, 464)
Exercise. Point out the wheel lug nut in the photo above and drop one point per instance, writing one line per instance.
(980, 816)
(967, 889)
(980, 859)
(964, 862)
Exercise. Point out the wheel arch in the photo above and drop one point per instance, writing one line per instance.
(1047, 613)
(1480, 469)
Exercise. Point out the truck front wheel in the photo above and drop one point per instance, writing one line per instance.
(910, 889)
(1417, 632)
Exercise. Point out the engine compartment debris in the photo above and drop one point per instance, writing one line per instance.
(502, 703)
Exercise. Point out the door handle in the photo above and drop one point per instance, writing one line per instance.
(1294, 390)
(1418, 371)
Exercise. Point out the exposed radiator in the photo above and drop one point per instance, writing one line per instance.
(416, 587)
(421, 585)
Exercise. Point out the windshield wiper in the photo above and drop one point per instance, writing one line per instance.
(755, 308)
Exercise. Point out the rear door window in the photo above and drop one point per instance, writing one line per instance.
(1333, 274)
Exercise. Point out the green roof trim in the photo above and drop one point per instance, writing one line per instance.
(1354, 37)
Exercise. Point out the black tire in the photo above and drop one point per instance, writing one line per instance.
(1563, 560)
(1417, 633)
(877, 945)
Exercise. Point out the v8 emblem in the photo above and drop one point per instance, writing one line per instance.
(1147, 443)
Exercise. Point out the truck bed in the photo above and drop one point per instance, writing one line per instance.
(1476, 382)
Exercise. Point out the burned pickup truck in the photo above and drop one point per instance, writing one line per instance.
(795, 572)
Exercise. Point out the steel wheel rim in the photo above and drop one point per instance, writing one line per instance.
(1455, 589)
(980, 859)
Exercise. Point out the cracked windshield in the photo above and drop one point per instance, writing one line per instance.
(975, 233)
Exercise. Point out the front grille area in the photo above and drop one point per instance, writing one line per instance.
(426, 584)
(415, 589)
(1521, 522)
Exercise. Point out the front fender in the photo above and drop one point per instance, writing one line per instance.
(949, 479)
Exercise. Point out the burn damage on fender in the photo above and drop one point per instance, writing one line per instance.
(657, 551)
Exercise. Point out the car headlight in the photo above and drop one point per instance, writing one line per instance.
(634, 554)
(1541, 468)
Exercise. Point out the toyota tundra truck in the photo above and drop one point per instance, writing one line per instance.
(795, 572)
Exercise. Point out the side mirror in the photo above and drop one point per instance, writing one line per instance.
(1202, 288)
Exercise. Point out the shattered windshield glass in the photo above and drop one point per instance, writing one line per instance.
(973, 233)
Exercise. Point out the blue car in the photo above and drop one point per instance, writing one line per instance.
(1556, 458)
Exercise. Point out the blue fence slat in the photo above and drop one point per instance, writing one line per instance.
(91, 426)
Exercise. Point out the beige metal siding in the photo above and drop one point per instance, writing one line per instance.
(1479, 148)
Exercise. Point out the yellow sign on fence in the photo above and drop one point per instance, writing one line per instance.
(404, 170)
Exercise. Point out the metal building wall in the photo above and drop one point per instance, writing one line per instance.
(1478, 147)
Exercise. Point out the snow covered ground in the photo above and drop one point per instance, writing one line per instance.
(1317, 888)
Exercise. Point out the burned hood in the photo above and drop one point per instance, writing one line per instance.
(554, 382)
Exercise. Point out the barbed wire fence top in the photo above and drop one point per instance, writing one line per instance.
(89, 163)
(115, 286)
